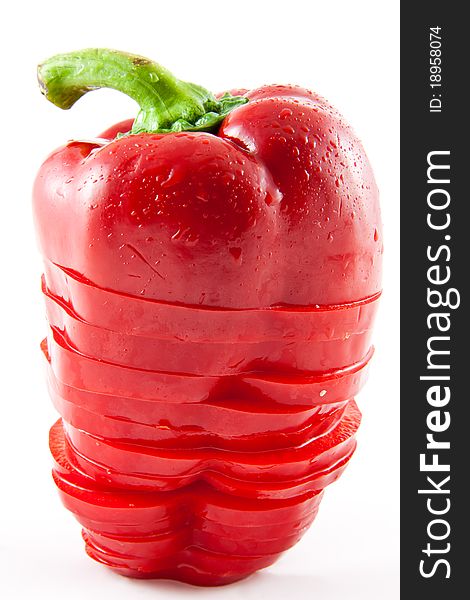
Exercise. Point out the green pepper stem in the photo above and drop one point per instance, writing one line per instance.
(166, 103)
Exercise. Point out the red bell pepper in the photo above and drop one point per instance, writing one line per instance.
(212, 273)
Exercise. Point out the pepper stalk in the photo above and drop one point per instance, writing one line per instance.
(166, 103)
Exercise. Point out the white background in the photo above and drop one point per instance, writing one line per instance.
(347, 51)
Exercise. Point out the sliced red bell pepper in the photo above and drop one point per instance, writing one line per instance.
(211, 280)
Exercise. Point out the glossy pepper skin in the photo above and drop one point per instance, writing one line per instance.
(212, 273)
(280, 204)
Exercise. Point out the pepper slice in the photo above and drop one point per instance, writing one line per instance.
(170, 463)
(141, 316)
(195, 565)
(152, 513)
(226, 484)
(205, 358)
(214, 358)
(307, 468)
(85, 373)
(240, 425)
(242, 541)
